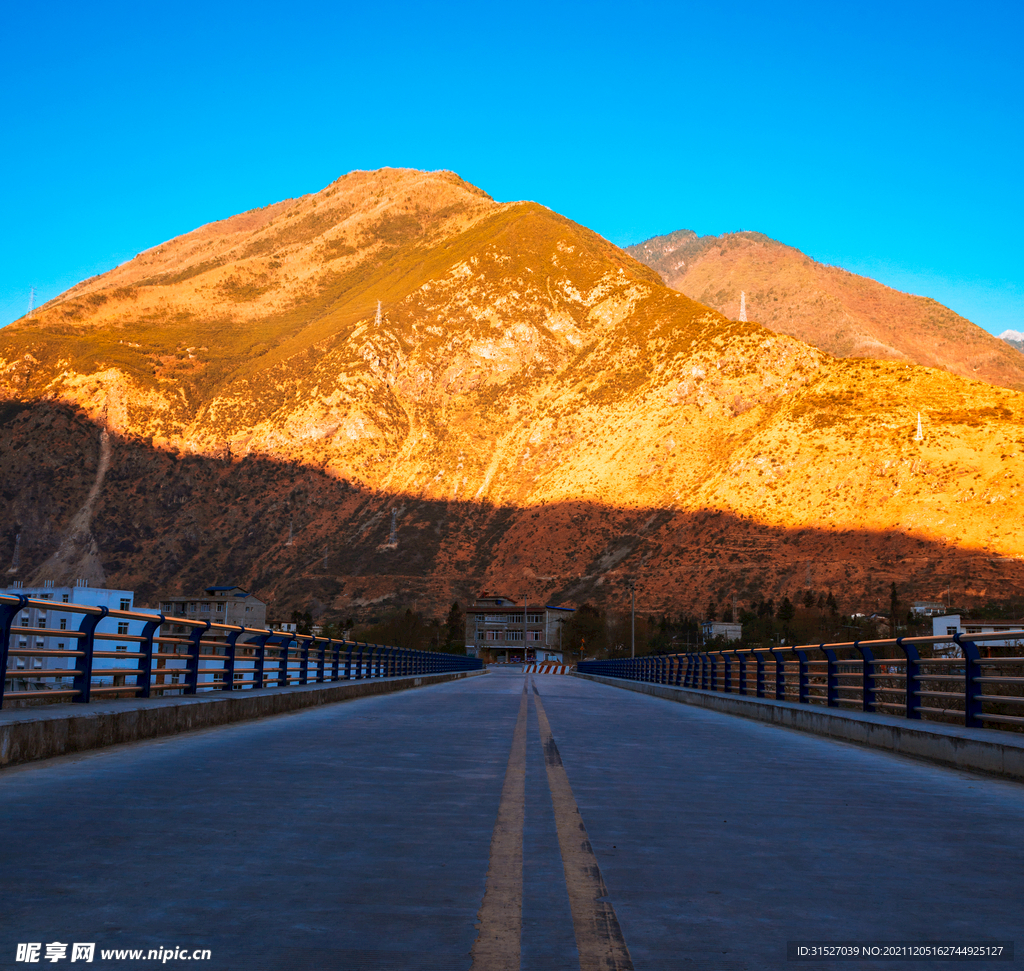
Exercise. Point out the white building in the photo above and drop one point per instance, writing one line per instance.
(721, 628)
(60, 621)
(955, 624)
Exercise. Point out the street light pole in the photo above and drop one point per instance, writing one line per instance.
(632, 631)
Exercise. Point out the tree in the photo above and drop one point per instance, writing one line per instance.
(585, 631)
(833, 607)
(894, 606)
(712, 610)
(786, 613)
(454, 628)
(808, 598)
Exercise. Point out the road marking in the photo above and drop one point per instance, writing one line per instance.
(599, 938)
(500, 918)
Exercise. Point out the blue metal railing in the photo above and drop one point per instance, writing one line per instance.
(961, 686)
(176, 654)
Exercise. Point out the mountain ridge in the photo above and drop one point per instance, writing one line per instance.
(526, 391)
(840, 312)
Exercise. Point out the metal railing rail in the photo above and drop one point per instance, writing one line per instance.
(198, 656)
(979, 692)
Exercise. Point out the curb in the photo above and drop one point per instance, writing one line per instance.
(29, 734)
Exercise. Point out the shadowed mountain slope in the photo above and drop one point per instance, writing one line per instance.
(842, 313)
(529, 402)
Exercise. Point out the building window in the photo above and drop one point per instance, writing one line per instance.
(494, 635)
(121, 647)
(479, 634)
(515, 635)
(533, 635)
(45, 596)
(220, 608)
(126, 604)
(495, 618)
(42, 620)
(63, 623)
(191, 607)
(535, 618)
(122, 628)
(37, 662)
(64, 598)
(950, 630)
(20, 664)
(24, 620)
(205, 608)
(60, 646)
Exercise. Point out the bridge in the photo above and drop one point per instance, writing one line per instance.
(504, 820)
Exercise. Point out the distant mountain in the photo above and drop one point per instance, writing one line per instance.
(842, 313)
(1014, 338)
(399, 391)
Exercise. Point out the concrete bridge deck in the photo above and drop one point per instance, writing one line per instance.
(377, 834)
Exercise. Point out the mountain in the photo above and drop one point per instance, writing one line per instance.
(842, 313)
(398, 390)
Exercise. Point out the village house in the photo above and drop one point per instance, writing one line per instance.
(498, 629)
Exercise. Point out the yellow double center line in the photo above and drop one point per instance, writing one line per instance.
(599, 939)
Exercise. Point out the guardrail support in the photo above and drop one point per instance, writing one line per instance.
(804, 678)
(145, 676)
(192, 661)
(229, 665)
(831, 677)
(867, 676)
(7, 614)
(83, 682)
(972, 692)
(913, 677)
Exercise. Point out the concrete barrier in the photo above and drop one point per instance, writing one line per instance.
(27, 734)
(973, 749)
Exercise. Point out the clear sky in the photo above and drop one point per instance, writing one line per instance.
(882, 137)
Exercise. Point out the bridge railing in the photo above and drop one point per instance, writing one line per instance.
(955, 684)
(180, 655)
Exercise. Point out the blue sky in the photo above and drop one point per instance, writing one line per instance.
(885, 138)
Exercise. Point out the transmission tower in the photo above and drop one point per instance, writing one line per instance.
(743, 306)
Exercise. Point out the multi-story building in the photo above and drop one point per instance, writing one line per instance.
(219, 605)
(497, 629)
(62, 623)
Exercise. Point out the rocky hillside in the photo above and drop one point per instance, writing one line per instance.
(842, 313)
(398, 390)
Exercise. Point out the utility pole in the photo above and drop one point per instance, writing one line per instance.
(743, 307)
(632, 633)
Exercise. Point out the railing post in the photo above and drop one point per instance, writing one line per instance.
(192, 661)
(259, 671)
(804, 679)
(913, 676)
(972, 694)
(7, 614)
(335, 658)
(741, 660)
(359, 662)
(727, 679)
(145, 676)
(304, 660)
(831, 677)
(83, 682)
(282, 662)
(867, 677)
(759, 673)
(780, 674)
(229, 649)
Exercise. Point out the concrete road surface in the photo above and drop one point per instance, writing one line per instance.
(501, 822)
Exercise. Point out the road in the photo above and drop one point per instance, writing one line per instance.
(477, 825)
